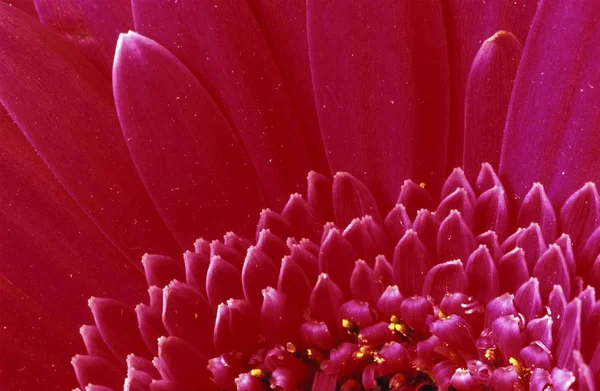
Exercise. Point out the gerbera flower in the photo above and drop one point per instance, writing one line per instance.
(374, 264)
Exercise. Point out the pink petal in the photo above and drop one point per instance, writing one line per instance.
(488, 91)
(447, 277)
(86, 152)
(186, 153)
(284, 26)
(374, 91)
(556, 142)
(224, 48)
(67, 19)
(468, 24)
(61, 276)
(536, 208)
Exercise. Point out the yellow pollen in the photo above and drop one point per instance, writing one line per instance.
(518, 366)
(394, 319)
(290, 347)
(441, 314)
(422, 184)
(490, 354)
(346, 323)
(256, 372)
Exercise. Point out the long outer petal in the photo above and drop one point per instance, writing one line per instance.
(381, 91)
(221, 43)
(284, 26)
(189, 158)
(486, 102)
(557, 141)
(67, 19)
(36, 346)
(70, 120)
(50, 248)
(468, 24)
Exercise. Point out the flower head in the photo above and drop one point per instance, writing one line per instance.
(386, 269)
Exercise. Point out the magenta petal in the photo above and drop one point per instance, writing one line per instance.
(280, 318)
(368, 239)
(90, 369)
(508, 336)
(366, 84)
(363, 285)
(500, 306)
(284, 26)
(540, 330)
(411, 262)
(490, 240)
(272, 246)
(223, 282)
(482, 276)
(293, 282)
(414, 312)
(397, 222)
(68, 19)
(235, 327)
(488, 89)
(512, 270)
(540, 380)
(151, 326)
(469, 23)
(258, 273)
(302, 218)
(196, 268)
(59, 276)
(536, 138)
(447, 277)
(187, 315)
(528, 299)
(454, 239)
(250, 93)
(186, 367)
(389, 302)
(220, 187)
(118, 326)
(504, 378)
(336, 258)
(455, 180)
(383, 270)
(569, 335)
(427, 227)
(106, 20)
(160, 270)
(85, 131)
(414, 197)
(325, 302)
(486, 179)
(536, 208)
(457, 333)
(491, 211)
(580, 215)
(352, 199)
(95, 345)
(319, 196)
(550, 270)
(532, 242)
(566, 246)
(457, 200)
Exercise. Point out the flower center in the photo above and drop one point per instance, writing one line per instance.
(473, 294)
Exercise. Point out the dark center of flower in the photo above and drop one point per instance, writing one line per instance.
(473, 294)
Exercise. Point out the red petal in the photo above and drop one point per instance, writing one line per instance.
(87, 152)
(169, 123)
(284, 26)
(536, 208)
(468, 24)
(489, 85)
(381, 91)
(225, 50)
(555, 143)
(187, 315)
(447, 277)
